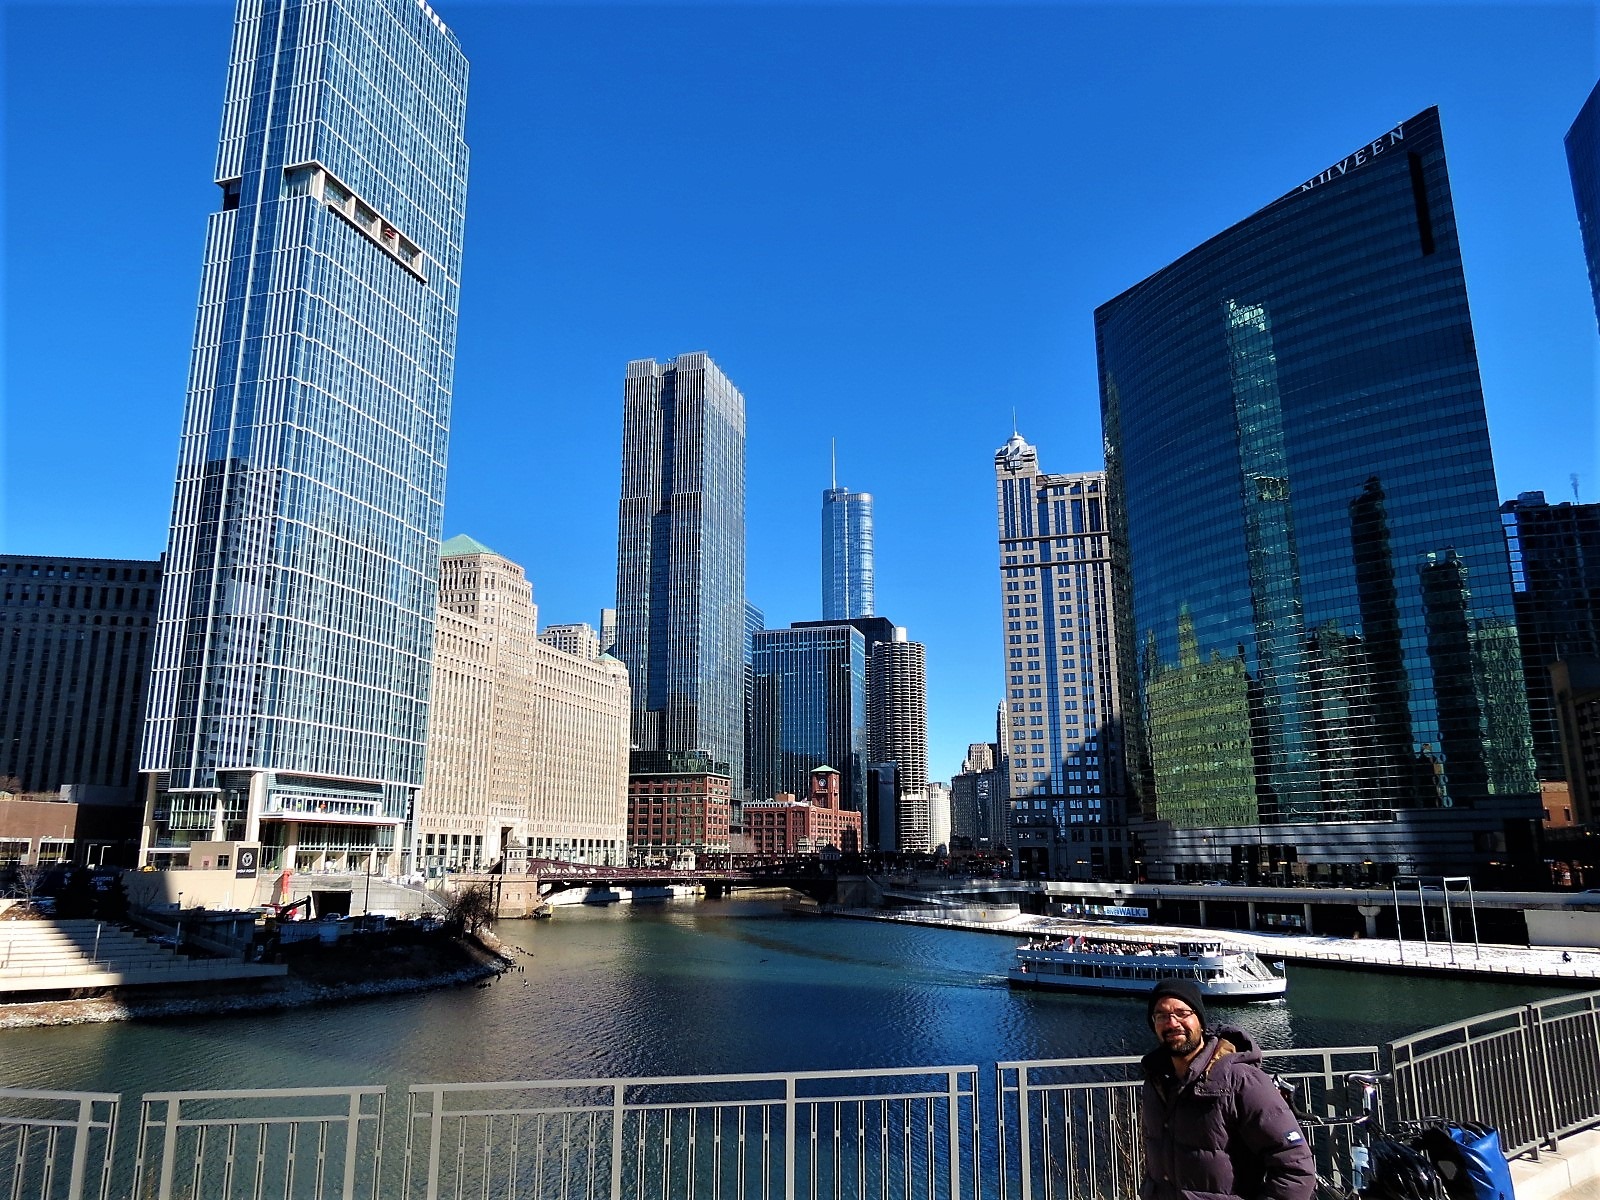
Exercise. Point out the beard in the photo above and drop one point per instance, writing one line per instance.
(1181, 1042)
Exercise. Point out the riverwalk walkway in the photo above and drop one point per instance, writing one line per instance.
(1579, 967)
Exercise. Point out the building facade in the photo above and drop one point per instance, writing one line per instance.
(1555, 580)
(1320, 667)
(1583, 158)
(785, 827)
(1063, 725)
(978, 801)
(808, 709)
(680, 806)
(580, 639)
(76, 636)
(289, 693)
(528, 744)
(897, 732)
(847, 582)
(680, 558)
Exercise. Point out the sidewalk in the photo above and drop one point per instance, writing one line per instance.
(1572, 1173)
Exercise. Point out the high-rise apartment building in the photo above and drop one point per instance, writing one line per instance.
(1063, 724)
(579, 639)
(75, 641)
(1320, 656)
(528, 743)
(847, 586)
(1583, 158)
(978, 803)
(897, 732)
(608, 630)
(1555, 579)
(808, 709)
(680, 558)
(289, 695)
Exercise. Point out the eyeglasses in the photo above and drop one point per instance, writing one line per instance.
(1177, 1014)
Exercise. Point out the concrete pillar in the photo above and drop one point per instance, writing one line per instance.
(1306, 911)
(1250, 910)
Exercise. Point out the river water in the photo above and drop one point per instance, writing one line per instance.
(693, 987)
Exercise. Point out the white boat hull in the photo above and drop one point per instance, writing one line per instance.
(1223, 974)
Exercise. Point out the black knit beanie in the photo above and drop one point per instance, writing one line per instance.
(1178, 989)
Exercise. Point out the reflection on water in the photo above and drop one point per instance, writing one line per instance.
(690, 987)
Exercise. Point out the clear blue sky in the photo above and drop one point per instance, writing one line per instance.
(888, 224)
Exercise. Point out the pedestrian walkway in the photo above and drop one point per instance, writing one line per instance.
(1570, 1173)
(1577, 966)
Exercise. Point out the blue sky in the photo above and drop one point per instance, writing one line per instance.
(889, 224)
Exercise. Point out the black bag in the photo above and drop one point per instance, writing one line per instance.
(1469, 1160)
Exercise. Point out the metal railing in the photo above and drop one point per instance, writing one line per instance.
(907, 1133)
(1531, 1072)
(1064, 1129)
(294, 1143)
(57, 1145)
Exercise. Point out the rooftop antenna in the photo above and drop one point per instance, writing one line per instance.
(1014, 421)
(1574, 478)
(833, 458)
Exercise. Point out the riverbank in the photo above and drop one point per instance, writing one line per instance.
(317, 976)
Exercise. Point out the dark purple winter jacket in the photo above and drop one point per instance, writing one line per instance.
(1222, 1131)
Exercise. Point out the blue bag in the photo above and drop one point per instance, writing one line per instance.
(1469, 1160)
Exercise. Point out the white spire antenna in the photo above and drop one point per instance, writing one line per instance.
(1014, 421)
(833, 458)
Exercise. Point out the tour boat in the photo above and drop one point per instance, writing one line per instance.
(1121, 967)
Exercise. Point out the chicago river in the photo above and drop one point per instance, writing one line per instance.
(694, 987)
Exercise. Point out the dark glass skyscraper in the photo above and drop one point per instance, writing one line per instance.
(846, 554)
(289, 696)
(681, 616)
(1322, 629)
(809, 709)
(1583, 157)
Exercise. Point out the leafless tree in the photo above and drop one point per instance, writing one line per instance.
(473, 907)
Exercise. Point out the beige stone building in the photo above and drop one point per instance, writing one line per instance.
(527, 745)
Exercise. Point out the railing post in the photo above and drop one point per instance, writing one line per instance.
(169, 1150)
(788, 1137)
(435, 1144)
(80, 1149)
(1024, 1151)
(1539, 1050)
(351, 1137)
(952, 1131)
(616, 1140)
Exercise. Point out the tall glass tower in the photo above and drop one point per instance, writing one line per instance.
(809, 710)
(289, 694)
(1583, 158)
(680, 558)
(846, 554)
(1320, 658)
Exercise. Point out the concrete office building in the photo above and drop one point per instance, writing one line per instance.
(289, 693)
(1063, 728)
(579, 640)
(528, 745)
(76, 636)
(1321, 673)
(681, 616)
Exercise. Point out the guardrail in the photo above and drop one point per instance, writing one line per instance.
(1062, 1129)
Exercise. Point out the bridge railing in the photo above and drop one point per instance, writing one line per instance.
(1063, 1129)
(911, 1133)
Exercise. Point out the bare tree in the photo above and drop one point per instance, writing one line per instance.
(26, 880)
(473, 907)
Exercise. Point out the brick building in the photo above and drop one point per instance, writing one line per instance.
(784, 826)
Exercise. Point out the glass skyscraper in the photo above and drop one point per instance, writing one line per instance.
(846, 554)
(1321, 659)
(290, 689)
(809, 709)
(681, 615)
(1583, 158)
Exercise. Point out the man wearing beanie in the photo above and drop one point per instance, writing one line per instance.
(1213, 1123)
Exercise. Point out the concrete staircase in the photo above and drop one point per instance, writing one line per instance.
(38, 956)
